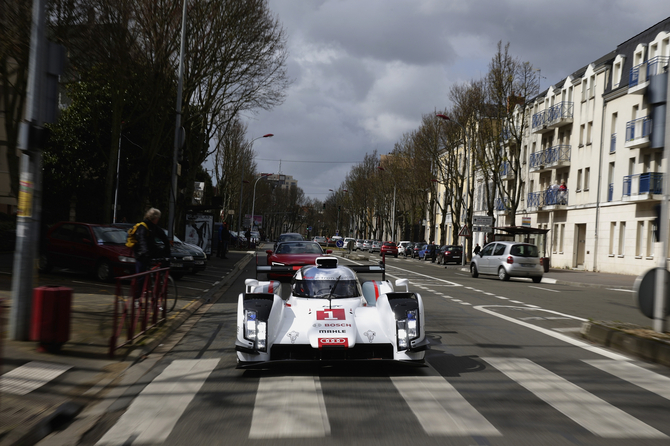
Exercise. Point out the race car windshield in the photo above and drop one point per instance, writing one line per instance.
(322, 288)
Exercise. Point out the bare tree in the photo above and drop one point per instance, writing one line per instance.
(15, 25)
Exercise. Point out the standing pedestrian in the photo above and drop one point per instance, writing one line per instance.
(247, 234)
(477, 249)
(224, 240)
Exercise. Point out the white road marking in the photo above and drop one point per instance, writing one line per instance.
(502, 297)
(289, 407)
(621, 289)
(544, 289)
(553, 334)
(154, 413)
(634, 374)
(31, 376)
(516, 302)
(439, 407)
(584, 408)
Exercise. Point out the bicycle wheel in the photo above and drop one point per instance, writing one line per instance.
(171, 294)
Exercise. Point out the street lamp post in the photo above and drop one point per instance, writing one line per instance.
(253, 201)
(239, 217)
(467, 176)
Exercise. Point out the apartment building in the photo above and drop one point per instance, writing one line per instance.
(601, 131)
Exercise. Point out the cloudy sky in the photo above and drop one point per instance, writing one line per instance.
(364, 71)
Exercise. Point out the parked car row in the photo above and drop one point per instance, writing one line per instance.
(102, 251)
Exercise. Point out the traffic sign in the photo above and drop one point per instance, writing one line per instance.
(464, 232)
(339, 243)
(481, 229)
(482, 220)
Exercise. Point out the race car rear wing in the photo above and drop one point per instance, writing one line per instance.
(324, 262)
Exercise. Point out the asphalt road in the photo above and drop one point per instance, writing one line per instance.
(505, 368)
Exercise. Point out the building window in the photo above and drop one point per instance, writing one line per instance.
(651, 227)
(612, 234)
(579, 180)
(554, 239)
(639, 239)
(589, 133)
(582, 130)
(587, 177)
(622, 238)
(561, 238)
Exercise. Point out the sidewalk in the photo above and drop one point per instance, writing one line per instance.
(74, 377)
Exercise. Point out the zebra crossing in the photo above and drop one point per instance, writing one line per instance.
(295, 406)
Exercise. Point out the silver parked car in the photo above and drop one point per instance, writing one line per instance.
(508, 259)
(375, 246)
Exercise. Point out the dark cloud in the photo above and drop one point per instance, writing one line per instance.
(365, 71)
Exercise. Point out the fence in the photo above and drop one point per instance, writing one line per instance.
(147, 308)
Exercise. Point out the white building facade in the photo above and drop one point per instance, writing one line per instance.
(601, 130)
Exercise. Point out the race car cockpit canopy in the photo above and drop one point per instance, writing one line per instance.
(327, 279)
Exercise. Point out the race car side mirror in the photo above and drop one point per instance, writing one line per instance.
(268, 252)
(402, 282)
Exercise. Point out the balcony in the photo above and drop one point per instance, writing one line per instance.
(551, 158)
(642, 187)
(556, 116)
(548, 200)
(638, 133)
(638, 79)
(502, 205)
(506, 172)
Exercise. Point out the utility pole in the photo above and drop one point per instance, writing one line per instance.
(45, 64)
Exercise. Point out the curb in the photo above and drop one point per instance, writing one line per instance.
(68, 410)
(651, 349)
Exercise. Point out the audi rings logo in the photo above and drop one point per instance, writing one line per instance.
(333, 342)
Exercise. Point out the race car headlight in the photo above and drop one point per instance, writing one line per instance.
(125, 259)
(277, 264)
(255, 330)
(188, 258)
(407, 329)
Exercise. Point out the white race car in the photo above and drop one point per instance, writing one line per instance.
(329, 316)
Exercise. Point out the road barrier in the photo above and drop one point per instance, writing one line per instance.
(148, 307)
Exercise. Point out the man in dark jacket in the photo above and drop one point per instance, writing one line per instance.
(431, 252)
(146, 248)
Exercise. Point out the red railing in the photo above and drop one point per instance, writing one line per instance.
(146, 307)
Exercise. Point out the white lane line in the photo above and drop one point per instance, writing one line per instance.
(582, 407)
(543, 289)
(33, 375)
(439, 407)
(182, 287)
(465, 303)
(531, 306)
(553, 334)
(154, 413)
(289, 407)
(516, 302)
(501, 297)
(621, 289)
(634, 374)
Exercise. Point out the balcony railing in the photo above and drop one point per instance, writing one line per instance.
(501, 204)
(642, 72)
(643, 183)
(639, 129)
(553, 156)
(610, 192)
(550, 197)
(613, 143)
(553, 116)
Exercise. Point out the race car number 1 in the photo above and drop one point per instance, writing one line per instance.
(334, 314)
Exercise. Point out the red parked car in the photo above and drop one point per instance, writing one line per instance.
(295, 254)
(98, 249)
(389, 249)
